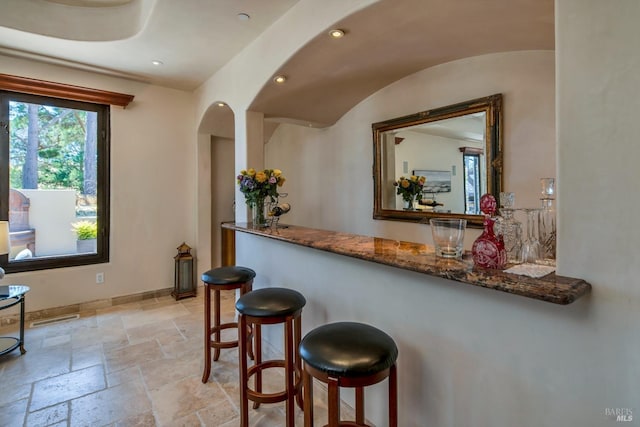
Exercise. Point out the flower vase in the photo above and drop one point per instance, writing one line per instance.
(488, 250)
(257, 213)
(408, 204)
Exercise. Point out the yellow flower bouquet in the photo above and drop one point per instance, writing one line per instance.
(409, 187)
(258, 185)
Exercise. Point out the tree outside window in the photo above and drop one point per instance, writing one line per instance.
(55, 161)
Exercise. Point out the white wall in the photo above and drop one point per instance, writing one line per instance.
(51, 214)
(153, 169)
(598, 152)
(329, 170)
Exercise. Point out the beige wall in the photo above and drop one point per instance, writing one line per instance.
(329, 170)
(598, 152)
(222, 199)
(152, 192)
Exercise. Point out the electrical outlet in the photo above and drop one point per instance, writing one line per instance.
(99, 277)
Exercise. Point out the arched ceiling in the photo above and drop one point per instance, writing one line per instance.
(192, 39)
(392, 39)
(326, 78)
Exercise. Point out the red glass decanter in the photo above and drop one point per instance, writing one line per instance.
(488, 250)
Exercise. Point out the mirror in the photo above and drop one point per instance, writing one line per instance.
(457, 148)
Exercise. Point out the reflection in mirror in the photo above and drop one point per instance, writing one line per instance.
(456, 148)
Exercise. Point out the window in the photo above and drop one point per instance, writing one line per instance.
(471, 163)
(54, 186)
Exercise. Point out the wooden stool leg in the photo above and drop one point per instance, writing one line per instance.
(207, 334)
(257, 359)
(247, 287)
(360, 405)
(242, 359)
(289, 358)
(216, 322)
(307, 385)
(298, 360)
(333, 403)
(393, 397)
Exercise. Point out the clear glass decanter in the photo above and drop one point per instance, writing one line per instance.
(509, 228)
(547, 227)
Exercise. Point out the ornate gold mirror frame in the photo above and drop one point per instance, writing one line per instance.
(384, 170)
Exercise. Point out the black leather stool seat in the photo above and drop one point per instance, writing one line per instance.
(271, 306)
(228, 275)
(348, 349)
(348, 354)
(271, 302)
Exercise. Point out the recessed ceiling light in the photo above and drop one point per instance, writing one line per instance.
(244, 16)
(337, 33)
(157, 63)
(279, 79)
(221, 104)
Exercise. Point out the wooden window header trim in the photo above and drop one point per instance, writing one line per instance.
(65, 91)
(471, 150)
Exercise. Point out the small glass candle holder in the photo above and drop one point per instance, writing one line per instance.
(548, 187)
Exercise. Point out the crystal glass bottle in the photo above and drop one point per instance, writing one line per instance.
(531, 246)
(488, 250)
(547, 226)
(509, 228)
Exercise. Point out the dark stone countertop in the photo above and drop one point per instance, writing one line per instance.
(421, 258)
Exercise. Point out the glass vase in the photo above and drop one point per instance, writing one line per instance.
(547, 226)
(547, 230)
(531, 246)
(408, 204)
(257, 213)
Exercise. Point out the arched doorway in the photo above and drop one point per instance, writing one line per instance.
(217, 140)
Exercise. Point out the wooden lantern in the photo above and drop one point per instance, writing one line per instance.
(184, 284)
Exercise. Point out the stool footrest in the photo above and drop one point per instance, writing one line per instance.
(349, 424)
(280, 396)
(223, 344)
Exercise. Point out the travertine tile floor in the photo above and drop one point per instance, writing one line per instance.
(136, 364)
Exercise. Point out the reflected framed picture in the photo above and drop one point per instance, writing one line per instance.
(437, 181)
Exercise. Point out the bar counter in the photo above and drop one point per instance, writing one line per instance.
(421, 258)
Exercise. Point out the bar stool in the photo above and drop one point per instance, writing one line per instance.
(348, 354)
(216, 280)
(270, 306)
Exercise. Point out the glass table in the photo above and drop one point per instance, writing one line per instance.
(11, 295)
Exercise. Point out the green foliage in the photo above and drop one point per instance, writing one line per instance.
(61, 140)
(85, 230)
